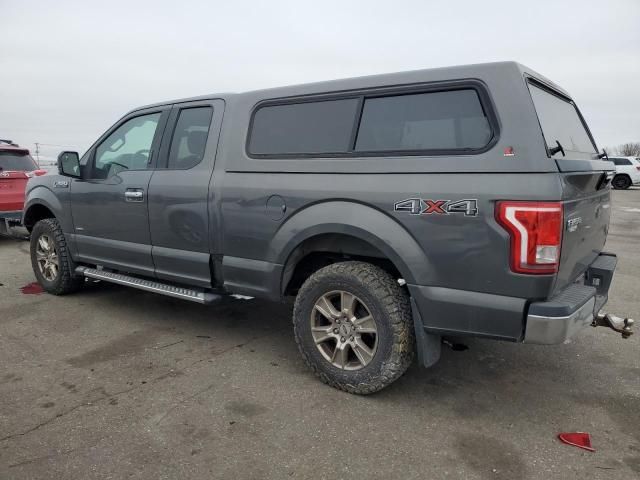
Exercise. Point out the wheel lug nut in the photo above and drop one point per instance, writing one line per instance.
(342, 339)
(338, 321)
(351, 338)
(335, 330)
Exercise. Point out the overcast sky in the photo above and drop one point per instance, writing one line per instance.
(68, 70)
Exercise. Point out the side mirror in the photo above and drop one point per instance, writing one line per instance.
(69, 164)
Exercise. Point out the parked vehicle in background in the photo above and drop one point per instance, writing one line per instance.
(396, 209)
(627, 172)
(16, 167)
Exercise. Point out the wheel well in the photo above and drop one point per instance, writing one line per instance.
(622, 175)
(36, 213)
(322, 250)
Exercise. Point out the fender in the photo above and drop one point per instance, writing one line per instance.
(358, 220)
(42, 195)
(39, 192)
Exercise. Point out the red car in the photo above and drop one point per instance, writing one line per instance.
(16, 167)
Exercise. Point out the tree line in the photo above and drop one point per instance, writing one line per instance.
(631, 149)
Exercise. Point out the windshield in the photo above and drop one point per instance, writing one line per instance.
(17, 161)
(561, 122)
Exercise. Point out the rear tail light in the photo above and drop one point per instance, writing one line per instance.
(35, 173)
(638, 167)
(536, 235)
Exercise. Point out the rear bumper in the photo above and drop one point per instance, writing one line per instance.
(12, 216)
(551, 330)
(562, 316)
(9, 220)
(443, 311)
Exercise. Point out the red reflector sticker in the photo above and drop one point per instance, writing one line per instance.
(509, 152)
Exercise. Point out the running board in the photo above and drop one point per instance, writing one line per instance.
(197, 296)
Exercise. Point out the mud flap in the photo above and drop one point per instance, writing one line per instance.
(428, 345)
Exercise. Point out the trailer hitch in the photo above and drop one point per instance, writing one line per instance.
(620, 325)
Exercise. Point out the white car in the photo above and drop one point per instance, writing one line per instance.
(627, 172)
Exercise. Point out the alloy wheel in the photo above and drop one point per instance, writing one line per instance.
(344, 330)
(47, 258)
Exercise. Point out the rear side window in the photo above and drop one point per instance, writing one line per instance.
(448, 120)
(303, 128)
(20, 161)
(621, 161)
(190, 137)
(436, 122)
(560, 122)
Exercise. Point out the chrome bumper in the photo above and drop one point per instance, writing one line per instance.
(559, 318)
(547, 330)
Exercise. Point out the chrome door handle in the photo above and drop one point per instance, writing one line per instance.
(133, 195)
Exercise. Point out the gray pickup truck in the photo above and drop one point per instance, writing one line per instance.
(396, 208)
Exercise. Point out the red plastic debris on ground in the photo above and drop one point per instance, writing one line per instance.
(577, 439)
(32, 289)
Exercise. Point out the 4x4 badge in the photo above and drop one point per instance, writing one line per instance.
(419, 206)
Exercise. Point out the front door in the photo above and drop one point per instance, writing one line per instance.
(109, 204)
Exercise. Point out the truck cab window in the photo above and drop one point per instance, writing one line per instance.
(127, 148)
(190, 138)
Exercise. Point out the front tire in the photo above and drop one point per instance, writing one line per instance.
(354, 328)
(51, 260)
(621, 182)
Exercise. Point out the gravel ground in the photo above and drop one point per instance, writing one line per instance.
(118, 383)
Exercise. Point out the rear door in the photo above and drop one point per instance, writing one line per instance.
(179, 196)
(585, 180)
(109, 204)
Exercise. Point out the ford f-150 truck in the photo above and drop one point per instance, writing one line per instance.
(396, 208)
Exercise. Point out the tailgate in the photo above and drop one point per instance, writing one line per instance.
(12, 188)
(587, 209)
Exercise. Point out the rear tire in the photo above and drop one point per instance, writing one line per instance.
(621, 182)
(51, 260)
(354, 327)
